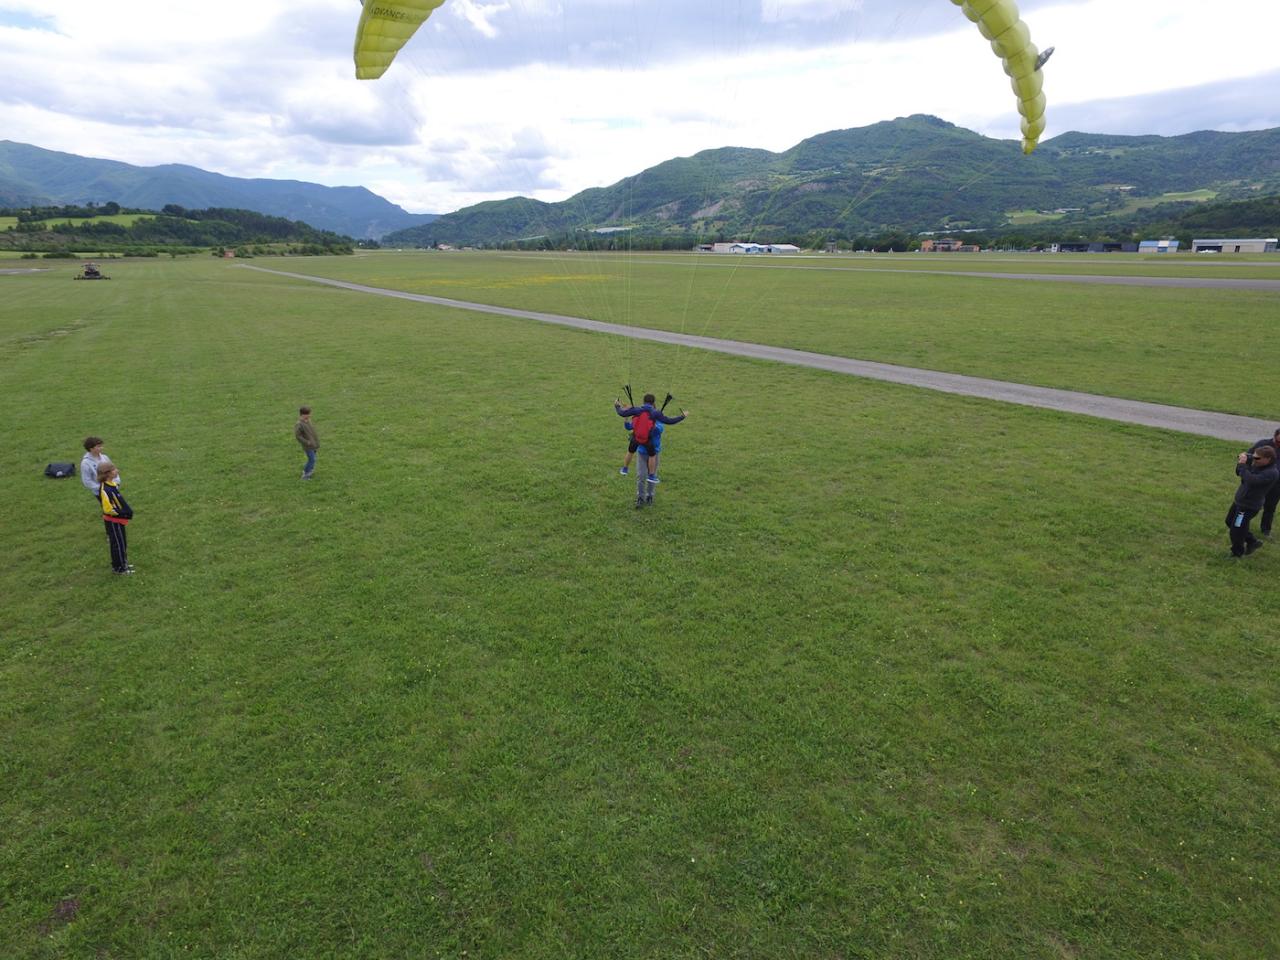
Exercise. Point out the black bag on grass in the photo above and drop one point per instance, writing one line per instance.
(57, 471)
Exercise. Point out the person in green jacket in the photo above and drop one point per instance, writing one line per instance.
(305, 433)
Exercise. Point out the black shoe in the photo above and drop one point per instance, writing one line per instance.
(639, 504)
(1251, 546)
(1266, 534)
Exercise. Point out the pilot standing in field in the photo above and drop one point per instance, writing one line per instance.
(647, 422)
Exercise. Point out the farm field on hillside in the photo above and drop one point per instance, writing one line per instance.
(1140, 203)
(883, 673)
(1033, 216)
(123, 219)
(1139, 343)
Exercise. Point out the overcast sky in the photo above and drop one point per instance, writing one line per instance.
(548, 97)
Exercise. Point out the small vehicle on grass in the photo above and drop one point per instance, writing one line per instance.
(90, 271)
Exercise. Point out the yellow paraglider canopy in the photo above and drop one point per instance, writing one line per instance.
(385, 27)
(999, 22)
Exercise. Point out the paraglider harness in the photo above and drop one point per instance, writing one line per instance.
(642, 425)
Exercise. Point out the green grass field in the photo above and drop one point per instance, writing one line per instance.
(885, 673)
(7, 223)
(1143, 343)
(1023, 217)
(1133, 204)
(124, 219)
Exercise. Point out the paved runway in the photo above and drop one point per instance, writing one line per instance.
(1197, 283)
(1222, 426)
(778, 263)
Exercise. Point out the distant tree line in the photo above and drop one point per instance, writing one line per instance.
(68, 210)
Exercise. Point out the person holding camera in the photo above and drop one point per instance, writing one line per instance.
(1258, 474)
(1273, 495)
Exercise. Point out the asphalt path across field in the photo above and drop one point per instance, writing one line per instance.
(1187, 282)
(8, 272)
(1071, 259)
(771, 263)
(1199, 283)
(1222, 426)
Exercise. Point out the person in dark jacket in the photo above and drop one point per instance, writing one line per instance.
(1258, 474)
(116, 514)
(1273, 495)
(304, 431)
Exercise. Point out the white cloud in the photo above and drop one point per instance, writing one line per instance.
(480, 15)
(776, 11)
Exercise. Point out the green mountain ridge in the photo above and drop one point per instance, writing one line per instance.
(914, 174)
(31, 175)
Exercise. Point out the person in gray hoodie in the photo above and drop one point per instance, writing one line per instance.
(1258, 474)
(93, 458)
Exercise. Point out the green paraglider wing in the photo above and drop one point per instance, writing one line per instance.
(999, 22)
(385, 27)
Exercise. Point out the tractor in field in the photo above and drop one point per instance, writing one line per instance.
(90, 271)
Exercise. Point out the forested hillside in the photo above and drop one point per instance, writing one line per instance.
(912, 174)
(30, 175)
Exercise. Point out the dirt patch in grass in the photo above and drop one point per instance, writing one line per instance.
(64, 911)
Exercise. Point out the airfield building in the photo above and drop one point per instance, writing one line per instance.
(750, 248)
(1097, 246)
(1158, 246)
(1234, 246)
(948, 245)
